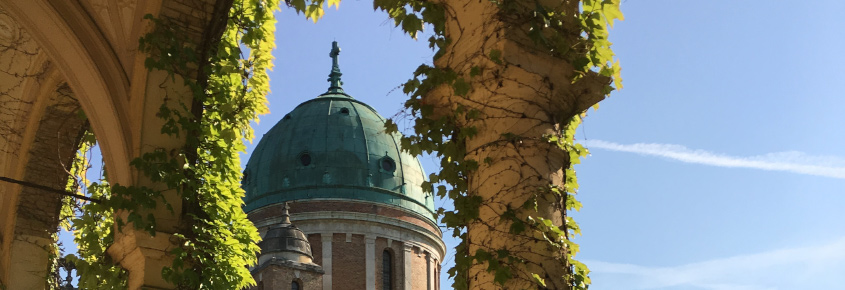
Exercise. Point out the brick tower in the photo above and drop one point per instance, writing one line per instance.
(286, 260)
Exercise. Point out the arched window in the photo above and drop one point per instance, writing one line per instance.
(387, 270)
(294, 285)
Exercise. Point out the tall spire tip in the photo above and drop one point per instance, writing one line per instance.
(334, 76)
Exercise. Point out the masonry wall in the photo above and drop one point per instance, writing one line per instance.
(419, 279)
(36, 219)
(262, 215)
(277, 277)
(348, 271)
(316, 248)
(398, 263)
(349, 259)
(437, 277)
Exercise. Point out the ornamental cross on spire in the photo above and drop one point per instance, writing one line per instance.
(334, 76)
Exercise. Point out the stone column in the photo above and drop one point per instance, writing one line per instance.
(407, 261)
(327, 260)
(370, 264)
(432, 262)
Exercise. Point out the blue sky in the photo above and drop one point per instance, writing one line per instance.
(738, 178)
(720, 165)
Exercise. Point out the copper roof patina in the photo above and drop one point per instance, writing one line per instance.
(334, 147)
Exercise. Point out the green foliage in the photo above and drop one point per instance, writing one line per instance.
(222, 241)
(92, 225)
(229, 88)
(444, 135)
(595, 18)
(230, 92)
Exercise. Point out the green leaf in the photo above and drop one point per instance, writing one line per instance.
(539, 280)
(474, 71)
(461, 87)
(496, 56)
(411, 24)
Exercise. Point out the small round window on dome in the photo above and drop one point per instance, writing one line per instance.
(304, 159)
(344, 111)
(387, 164)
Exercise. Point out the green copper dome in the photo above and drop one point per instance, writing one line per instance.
(334, 147)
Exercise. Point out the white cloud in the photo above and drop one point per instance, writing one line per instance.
(777, 269)
(792, 161)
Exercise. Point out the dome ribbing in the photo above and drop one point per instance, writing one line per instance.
(334, 147)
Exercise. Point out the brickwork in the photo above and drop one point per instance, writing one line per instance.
(50, 157)
(276, 277)
(359, 207)
(348, 262)
(398, 261)
(349, 259)
(419, 279)
(316, 242)
(37, 217)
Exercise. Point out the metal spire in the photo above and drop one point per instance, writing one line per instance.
(334, 76)
(285, 214)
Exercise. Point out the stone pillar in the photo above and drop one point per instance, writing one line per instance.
(408, 268)
(370, 264)
(327, 260)
(431, 270)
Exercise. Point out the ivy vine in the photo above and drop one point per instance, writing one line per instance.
(226, 74)
(573, 31)
(227, 79)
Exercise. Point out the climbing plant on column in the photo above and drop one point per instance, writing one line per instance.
(510, 83)
(226, 80)
(229, 91)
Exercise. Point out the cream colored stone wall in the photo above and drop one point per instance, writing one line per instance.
(91, 45)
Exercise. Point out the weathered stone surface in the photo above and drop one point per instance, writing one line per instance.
(281, 275)
(90, 46)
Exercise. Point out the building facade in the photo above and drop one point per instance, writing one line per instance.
(338, 203)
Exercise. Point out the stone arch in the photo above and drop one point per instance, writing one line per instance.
(91, 45)
(296, 284)
(91, 68)
(39, 119)
(119, 97)
(41, 131)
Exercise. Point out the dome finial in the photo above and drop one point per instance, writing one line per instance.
(334, 76)
(285, 214)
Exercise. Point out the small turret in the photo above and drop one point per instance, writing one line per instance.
(285, 241)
